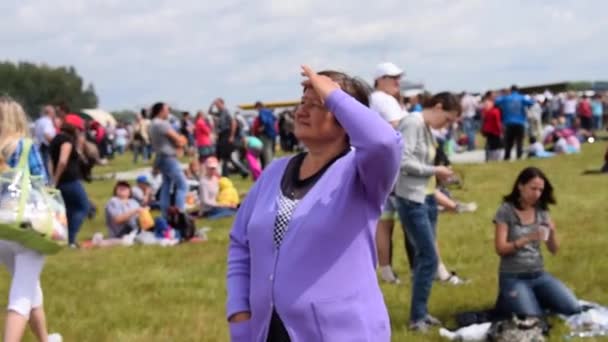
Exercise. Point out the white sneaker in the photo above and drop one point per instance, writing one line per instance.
(387, 274)
(97, 239)
(55, 337)
(466, 207)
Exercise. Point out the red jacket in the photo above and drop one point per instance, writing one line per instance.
(584, 109)
(491, 121)
(202, 133)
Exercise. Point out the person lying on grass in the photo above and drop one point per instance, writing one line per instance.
(522, 224)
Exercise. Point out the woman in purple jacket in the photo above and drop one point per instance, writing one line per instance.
(302, 257)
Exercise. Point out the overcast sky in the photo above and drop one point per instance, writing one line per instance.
(187, 52)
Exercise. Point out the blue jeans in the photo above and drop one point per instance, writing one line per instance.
(76, 205)
(597, 122)
(470, 129)
(419, 221)
(569, 119)
(173, 178)
(217, 213)
(532, 294)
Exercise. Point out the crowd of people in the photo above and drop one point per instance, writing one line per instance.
(367, 157)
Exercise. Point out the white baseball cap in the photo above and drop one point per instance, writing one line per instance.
(387, 69)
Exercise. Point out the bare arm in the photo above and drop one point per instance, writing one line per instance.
(553, 242)
(64, 156)
(124, 218)
(232, 129)
(177, 139)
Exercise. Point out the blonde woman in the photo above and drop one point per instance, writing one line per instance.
(24, 265)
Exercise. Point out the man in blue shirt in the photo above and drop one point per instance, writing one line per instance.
(267, 132)
(513, 110)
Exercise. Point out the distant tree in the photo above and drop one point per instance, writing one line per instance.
(34, 85)
(126, 115)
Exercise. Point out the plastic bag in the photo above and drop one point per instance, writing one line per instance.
(31, 213)
(146, 222)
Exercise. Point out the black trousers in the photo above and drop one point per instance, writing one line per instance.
(277, 331)
(514, 135)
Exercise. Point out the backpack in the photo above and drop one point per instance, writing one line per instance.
(181, 222)
(518, 330)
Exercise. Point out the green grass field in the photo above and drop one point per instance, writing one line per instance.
(178, 294)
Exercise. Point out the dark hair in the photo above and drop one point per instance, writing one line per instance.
(353, 86)
(524, 177)
(449, 102)
(157, 108)
(119, 184)
(532, 140)
(70, 130)
(259, 104)
(184, 114)
(64, 107)
(514, 88)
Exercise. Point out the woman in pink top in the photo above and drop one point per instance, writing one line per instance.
(202, 134)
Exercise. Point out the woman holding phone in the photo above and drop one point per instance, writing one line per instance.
(522, 224)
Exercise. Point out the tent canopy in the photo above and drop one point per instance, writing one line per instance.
(100, 116)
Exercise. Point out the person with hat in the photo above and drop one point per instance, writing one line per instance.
(142, 192)
(385, 100)
(67, 173)
(209, 190)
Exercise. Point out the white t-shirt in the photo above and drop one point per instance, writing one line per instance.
(469, 106)
(121, 136)
(570, 106)
(387, 106)
(43, 126)
(537, 148)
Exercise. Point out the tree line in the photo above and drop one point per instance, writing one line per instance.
(35, 85)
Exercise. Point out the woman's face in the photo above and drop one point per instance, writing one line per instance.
(123, 192)
(443, 118)
(313, 122)
(530, 192)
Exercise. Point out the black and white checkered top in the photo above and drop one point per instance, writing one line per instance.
(293, 189)
(286, 207)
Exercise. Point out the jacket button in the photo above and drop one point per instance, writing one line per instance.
(271, 277)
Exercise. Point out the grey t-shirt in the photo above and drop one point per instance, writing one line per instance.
(116, 207)
(529, 258)
(225, 123)
(161, 143)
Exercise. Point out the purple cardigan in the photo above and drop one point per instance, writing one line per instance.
(322, 281)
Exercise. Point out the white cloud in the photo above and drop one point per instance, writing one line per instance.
(188, 52)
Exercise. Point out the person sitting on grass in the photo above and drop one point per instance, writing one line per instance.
(142, 193)
(209, 191)
(522, 223)
(537, 150)
(122, 211)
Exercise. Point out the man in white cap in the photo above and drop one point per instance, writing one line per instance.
(386, 101)
(386, 97)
